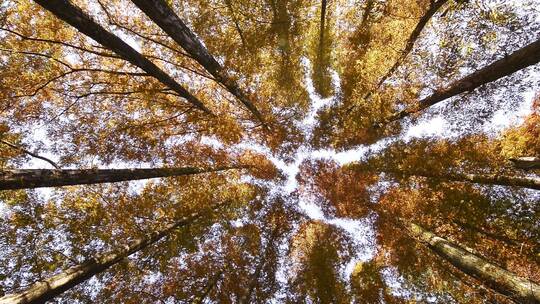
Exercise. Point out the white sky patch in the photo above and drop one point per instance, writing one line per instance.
(502, 119)
(72, 59)
(433, 126)
(128, 39)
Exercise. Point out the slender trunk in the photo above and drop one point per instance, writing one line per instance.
(47, 289)
(413, 37)
(488, 179)
(408, 47)
(236, 24)
(256, 275)
(520, 59)
(36, 178)
(208, 288)
(73, 15)
(508, 241)
(321, 63)
(321, 30)
(527, 163)
(498, 279)
(160, 12)
(281, 23)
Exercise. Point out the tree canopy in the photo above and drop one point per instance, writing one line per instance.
(269, 151)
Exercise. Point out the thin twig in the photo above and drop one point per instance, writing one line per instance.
(14, 146)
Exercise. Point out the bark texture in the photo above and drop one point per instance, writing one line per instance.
(36, 178)
(520, 59)
(527, 163)
(46, 290)
(498, 279)
(73, 15)
(160, 12)
(487, 179)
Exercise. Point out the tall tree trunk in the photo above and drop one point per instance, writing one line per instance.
(47, 289)
(160, 12)
(508, 241)
(527, 163)
(498, 279)
(434, 7)
(256, 275)
(208, 288)
(520, 59)
(321, 63)
(236, 23)
(12, 179)
(488, 179)
(73, 15)
(322, 28)
(415, 34)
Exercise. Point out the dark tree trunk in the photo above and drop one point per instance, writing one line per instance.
(496, 278)
(73, 15)
(160, 12)
(520, 59)
(508, 241)
(526, 163)
(413, 37)
(46, 290)
(208, 288)
(258, 270)
(487, 179)
(36, 178)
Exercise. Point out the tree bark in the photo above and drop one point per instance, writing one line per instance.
(11, 179)
(526, 163)
(520, 59)
(73, 15)
(208, 288)
(322, 28)
(496, 278)
(160, 12)
(256, 275)
(413, 37)
(488, 179)
(46, 290)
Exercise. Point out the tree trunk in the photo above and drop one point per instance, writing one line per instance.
(208, 288)
(256, 275)
(73, 15)
(508, 241)
(47, 289)
(322, 28)
(160, 12)
(520, 59)
(36, 178)
(498, 279)
(527, 163)
(488, 179)
(413, 37)
(236, 23)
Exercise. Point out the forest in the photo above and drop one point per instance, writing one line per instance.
(270, 151)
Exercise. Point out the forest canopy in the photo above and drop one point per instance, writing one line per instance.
(269, 151)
